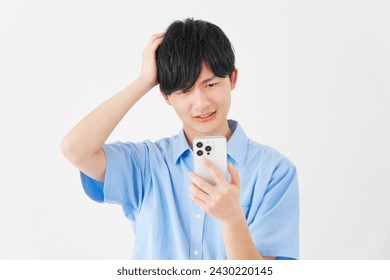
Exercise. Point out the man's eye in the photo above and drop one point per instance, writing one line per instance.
(212, 85)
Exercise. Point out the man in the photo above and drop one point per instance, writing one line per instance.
(175, 213)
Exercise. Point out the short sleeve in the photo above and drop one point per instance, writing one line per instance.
(125, 176)
(275, 230)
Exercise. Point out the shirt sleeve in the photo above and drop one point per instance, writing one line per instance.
(125, 177)
(275, 230)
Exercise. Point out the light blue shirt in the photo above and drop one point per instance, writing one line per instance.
(150, 181)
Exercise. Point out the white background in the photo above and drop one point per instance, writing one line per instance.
(314, 83)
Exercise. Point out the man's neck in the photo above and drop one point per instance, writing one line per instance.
(223, 132)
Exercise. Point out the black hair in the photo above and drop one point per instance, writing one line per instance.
(185, 45)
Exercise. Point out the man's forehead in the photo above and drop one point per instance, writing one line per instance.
(206, 74)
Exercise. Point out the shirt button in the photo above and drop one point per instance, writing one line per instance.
(196, 252)
(197, 216)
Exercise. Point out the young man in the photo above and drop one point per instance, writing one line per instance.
(175, 213)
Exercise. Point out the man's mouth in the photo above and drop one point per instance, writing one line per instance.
(205, 116)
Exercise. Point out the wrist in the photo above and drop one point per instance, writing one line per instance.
(139, 87)
(146, 83)
(234, 220)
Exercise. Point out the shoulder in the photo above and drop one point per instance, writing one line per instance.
(268, 156)
(276, 170)
(164, 143)
(253, 154)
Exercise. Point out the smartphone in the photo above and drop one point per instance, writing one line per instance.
(214, 149)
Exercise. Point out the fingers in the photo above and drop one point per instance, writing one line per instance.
(156, 40)
(200, 183)
(198, 193)
(222, 201)
(214, 171)
(198, 201)
(156, 36)
(234, 176)
(149, 66)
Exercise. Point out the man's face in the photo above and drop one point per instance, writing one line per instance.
(203, 108)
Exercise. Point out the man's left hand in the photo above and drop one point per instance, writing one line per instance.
(222, 200)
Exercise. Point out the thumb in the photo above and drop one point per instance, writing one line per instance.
(234, 176)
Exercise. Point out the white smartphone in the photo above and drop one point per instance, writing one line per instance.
(214, 149)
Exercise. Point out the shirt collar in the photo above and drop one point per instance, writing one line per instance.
(180, 146)
(236, 145)
(238, 142)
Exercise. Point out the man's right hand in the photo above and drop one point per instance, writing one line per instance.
(148, 73)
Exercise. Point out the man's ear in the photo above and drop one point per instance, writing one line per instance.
(165, 96)
(233, 78)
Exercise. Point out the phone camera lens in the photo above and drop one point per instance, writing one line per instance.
(199, 153)
(199, 144)
(208, 148)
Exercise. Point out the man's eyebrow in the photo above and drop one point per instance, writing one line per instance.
(208, 79)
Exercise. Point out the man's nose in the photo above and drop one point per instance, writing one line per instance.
(201, 99)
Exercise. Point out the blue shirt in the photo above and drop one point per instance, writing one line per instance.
(150, 181)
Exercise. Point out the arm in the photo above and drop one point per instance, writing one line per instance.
(82, 146)
(222, 202)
